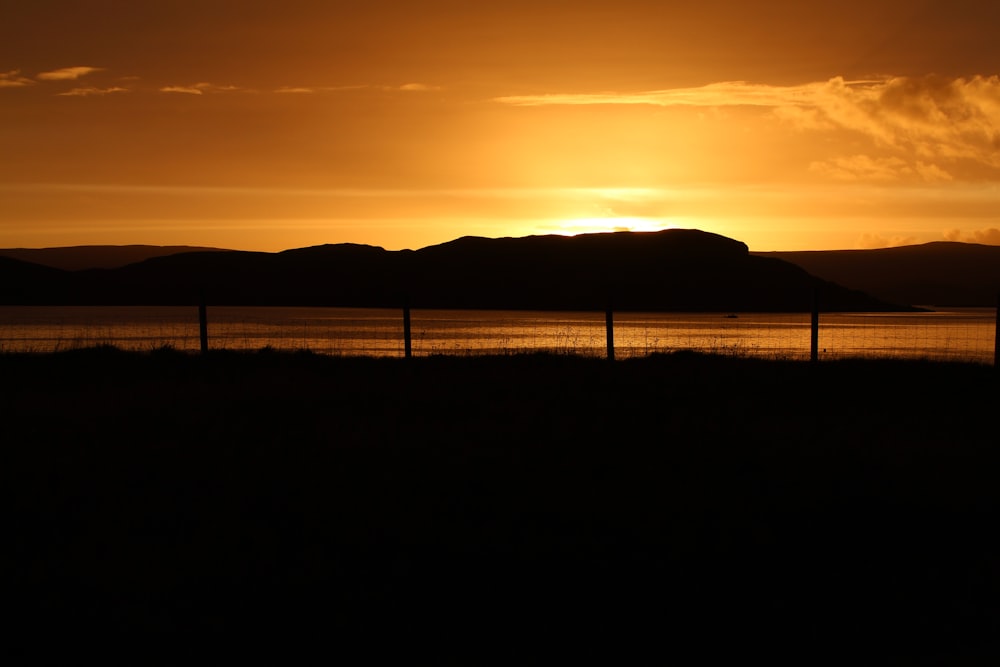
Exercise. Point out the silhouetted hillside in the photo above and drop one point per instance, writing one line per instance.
(330, 275)
(939, 273)
(76, 258)
(683, 270)
(26, 283)
(680, 270)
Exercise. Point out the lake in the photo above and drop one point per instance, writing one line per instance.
(958, 334)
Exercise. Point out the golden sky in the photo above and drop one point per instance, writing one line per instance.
(785, 124)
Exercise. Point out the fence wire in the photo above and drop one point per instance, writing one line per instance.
(954, 335)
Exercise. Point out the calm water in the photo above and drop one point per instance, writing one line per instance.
(962, 334)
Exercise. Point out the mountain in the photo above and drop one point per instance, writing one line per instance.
(671, 270)
(75, 258)
(941, 273)
(21, 283)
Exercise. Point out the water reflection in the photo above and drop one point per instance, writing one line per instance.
(965, 334)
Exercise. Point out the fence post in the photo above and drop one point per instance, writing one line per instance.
(996, 337)
(609, 324)
(203, 321)
(814, 327)
(407, 342)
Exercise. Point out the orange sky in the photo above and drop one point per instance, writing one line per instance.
(267, 126)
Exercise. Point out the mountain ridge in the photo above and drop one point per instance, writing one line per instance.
(670, 270)
(79, 257)
(939, 273)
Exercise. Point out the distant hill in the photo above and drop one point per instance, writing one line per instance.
(940, 273)
(75, 258)
(671, 270)
(21, 282)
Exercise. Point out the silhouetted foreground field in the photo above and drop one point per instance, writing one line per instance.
(516, 509)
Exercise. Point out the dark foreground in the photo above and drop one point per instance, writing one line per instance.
(525, 509)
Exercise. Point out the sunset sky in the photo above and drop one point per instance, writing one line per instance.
(252, 125)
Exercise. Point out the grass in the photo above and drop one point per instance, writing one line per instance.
(491, 508)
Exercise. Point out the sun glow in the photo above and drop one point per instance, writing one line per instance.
(615, 224)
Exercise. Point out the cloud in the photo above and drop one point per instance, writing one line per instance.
(418, 88)
(858, 168)
(13, 79)
(728, 93)
(68, 73)
(199, 89)
(989, 236)
(90, 90)
(931, 173)
(406, 88)
(181, 89)
(931, 117)
(862, 168)
(869, 241)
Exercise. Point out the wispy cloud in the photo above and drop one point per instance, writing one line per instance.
(868, 241)
(68, 73)
(864, 168)
(990, 236)
(88, 91)
(933, 117)
(406, 88)
(616, 196)
(199, 89)
(189, 90)
(13, 79)
(728, 93)
(418, 88)
(305, 90)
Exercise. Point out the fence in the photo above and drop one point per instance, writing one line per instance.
(940, 344)
(961, 335)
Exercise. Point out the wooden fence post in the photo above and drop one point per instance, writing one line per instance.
(996, 337)
(203, 321)
(407, 342)
(814, 327)
(609, 324)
